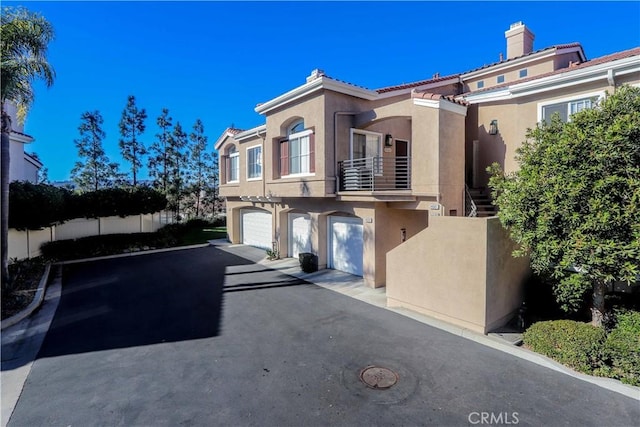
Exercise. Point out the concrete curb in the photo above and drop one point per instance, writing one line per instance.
(130, 254)
(35, 304)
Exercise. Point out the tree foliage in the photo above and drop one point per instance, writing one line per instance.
(95, 171)
(131, 128)
(200, 172)
(34, 206)
(574, 204)
(158, 161)
(24, 41)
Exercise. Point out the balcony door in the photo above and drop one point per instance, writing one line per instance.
(402, 163)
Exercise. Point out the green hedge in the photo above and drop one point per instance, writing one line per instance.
(33, 206)
(589, 349)
(622, 349)
(575, 344)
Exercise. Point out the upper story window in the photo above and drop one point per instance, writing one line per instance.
(500, 79)
(297, 152)
(367, 146)
(233, 163)
(480, 84)
(523, 73)
(566, 108)
(254, 162)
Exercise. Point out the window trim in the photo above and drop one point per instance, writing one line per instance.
(306, 132)
(235, 154)
(480, 84)
(568, 99)
(378, 169)
(498, 81)
(522, 73)
(260, 160)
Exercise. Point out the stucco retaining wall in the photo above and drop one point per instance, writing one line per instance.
(459, 270)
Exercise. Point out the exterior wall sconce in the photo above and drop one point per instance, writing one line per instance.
(403, 234)
(493, 127)
(388, 140)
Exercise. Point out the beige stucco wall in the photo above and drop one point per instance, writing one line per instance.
(514, 117)
(458, 270)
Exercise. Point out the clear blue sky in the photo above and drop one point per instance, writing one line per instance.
(217, 60)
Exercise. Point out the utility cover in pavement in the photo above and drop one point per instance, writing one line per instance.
(378, 378)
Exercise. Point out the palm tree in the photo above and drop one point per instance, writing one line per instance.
(24, 38)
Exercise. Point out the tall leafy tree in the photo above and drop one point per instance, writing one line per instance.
(95, 171)
(24, 40)
(131, 128)
(574, 204)
(177, 162)
(199, 168)
(158, 161)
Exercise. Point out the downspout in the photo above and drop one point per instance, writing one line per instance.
(335, 144)
(264, 176)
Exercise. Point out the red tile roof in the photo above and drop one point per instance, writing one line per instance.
(559, 46)
(596, 61)
(416, 84)
(429, 95)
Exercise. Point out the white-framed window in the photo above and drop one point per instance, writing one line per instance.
(480, 84)
(567, 106)
(297, 156)
(233, 167)
(254, 162)
(500, 79)
(367, 145)
(523, 73)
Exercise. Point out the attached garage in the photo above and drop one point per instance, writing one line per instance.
(255, 228)
(345, 244)
(299, 234)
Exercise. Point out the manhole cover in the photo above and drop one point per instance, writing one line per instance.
(378, 378)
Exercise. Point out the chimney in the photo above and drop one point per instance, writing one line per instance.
(519, 40)
(315, 74)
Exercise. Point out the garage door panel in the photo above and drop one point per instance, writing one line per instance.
(256, 228)
(299, 234)
(346, 244)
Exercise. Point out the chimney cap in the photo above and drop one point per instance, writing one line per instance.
(315, 74)
(516, 24)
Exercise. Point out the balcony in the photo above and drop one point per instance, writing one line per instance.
(375, 174)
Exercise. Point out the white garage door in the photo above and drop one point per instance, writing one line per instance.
(255, 228)
(346, 243)
(299, 234)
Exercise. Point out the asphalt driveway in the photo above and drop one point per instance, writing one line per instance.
(208, 337)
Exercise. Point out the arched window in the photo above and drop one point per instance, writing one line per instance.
(297, 152)
(297, 126)
(232, 164)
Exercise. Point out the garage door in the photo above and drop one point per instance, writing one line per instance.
(345, 246)
(255, 228)
(299, 234)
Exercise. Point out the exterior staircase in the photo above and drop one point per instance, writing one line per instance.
(481, 197)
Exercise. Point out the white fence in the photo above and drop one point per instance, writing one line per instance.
(26, 243)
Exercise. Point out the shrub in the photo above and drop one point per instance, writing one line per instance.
(575, 344)
(33, 206)
(622, 348)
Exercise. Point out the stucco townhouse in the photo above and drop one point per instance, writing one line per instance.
(355, 175)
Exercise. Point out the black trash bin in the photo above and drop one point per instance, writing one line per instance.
(308, 262)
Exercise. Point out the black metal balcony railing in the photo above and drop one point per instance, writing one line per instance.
(375, 173)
